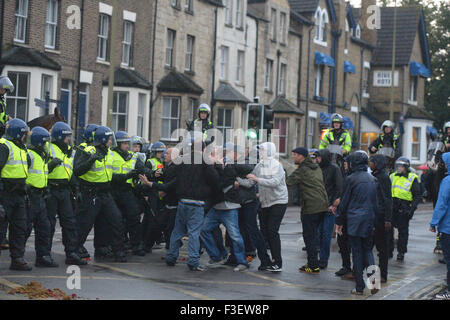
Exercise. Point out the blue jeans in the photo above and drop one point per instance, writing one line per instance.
(229, 218)
(362, 258)
(445, 244)
(189, 220)
(325, 233)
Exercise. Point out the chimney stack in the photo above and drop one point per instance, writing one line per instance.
(369, 20)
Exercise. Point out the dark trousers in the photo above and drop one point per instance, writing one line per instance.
(154, 222)
(3, 224)
(245, 228)
(102, 238)
(131, 212)
(445, 244)
(38, 219)
(16, 216)
(271, 218)
(362, 258)
(381, 241)
(400, 220)
(344, 248)
(311, 223)
(60, 203)
(247, 217)
(170, 215)
(94, 205)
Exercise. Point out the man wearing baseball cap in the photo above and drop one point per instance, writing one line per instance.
(314, 203)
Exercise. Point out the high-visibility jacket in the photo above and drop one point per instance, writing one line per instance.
(394, 144)
(401, 186)
(38, 171)
(345, 140)
(65, 169)
(156, 164)
(101, 171)
(120, 166)
(3, 115)
(17, 165)
(209, 125)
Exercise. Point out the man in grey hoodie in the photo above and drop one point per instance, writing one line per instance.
(273, 195)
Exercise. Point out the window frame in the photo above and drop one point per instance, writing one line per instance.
(280, 135)
(189, 6)
(117, 114)
(239, 14)
(142, 98)
(223, 128)
(54, 24)
(415, 143)
(15, 92)
(228, 12)
(273, 24)
(128, 44)
(240, 66)
(170, 118)
(224, 61)
(282, 80)
(102, 38)
(319, 73)
(268, 75)
(371, 136)
(283, 25)
(189, 55)
(413, 86)
(24, 18)
(170, 48)
(311, 132)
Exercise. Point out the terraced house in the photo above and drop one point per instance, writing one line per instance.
(305, 59)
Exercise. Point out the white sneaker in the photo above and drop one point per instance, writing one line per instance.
(443, 296)
(240, 268)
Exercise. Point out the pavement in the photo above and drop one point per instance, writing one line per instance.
(419, 277)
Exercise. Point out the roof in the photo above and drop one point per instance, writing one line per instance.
(409, 22)
(176, 81)
(310, 6)
(256, 14)
(226, 92)
(214, 2)
(362, 42)
(22, 56)
(129, 78)
(301, 18)
(413, 112)
(283, 105)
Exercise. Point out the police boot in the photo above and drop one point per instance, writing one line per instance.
(103, 253)
(120, 257)
(45, 262)
(400, 257)
(74, 258)
(20, 264)
(139, 250)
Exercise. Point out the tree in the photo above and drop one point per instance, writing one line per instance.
(437, 88)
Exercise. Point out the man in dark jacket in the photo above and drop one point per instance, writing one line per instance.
(314, 203)
(332, 178)
(383, 228)
(195, 180)
(358, 208)
(168, 192)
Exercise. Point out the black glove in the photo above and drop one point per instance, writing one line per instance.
(98, 156)
(411, 213)
(54, 163)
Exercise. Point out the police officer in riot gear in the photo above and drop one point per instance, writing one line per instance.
(387, 138)
(337, 135)
(126, 167)
(446, 137)
(60, 200)
(37, 179)
(13, 172)
(94, 168)
(5, 86)
(406, 196)
(203, 123)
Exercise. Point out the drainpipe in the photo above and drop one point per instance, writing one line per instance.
(299, 70)
(2, 15)
(213, 87)
(336, 36)
(256, 60)
(360, 95)
(153, 72)
(403, 89)
(278, 71)
(307, 85)
(80, 50)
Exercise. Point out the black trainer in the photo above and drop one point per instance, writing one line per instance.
(20, 264)
(400, 257)
(83, 253)
(120, 257)
(198, 268)
(46, 262)
(75, 259)
(275, 268)
(342, 272)
(323, 265)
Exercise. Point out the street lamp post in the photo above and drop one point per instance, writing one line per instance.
(391, 108)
